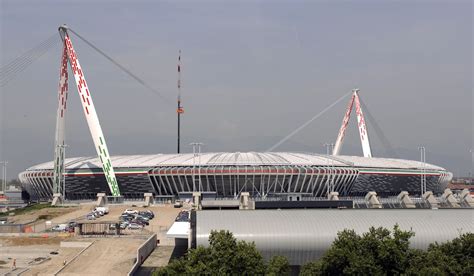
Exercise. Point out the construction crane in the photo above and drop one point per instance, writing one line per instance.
(69, 56)
(364, 135)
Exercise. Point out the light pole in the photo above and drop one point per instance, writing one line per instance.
(423, 172)
(4, 173)
(63, 173)
(330, 163)
(198, 154)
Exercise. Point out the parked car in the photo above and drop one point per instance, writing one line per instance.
(126, 217)
(134, 226)
(130, 211)
(183, 216)
(70, 226)
(124, 224)
(141, 221)
(146, 214)
(150, 212)
(69, 229)
(142, 217)
(90, 217)
(178, 204)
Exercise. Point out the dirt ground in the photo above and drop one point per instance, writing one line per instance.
(32, 252)
(51, 266)
(106, 256)
(24, 241)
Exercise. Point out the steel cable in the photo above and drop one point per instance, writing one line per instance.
(388, 148)
(123, 68)
(307, 123)
(27, 55)
(22, 62)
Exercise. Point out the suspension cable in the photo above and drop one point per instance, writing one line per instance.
(116, 63)
(388, 148)
(22, 62)
(307, 123)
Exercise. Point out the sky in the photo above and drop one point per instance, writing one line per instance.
(253, 71)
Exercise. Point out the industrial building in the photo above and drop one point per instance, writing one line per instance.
(304, 235)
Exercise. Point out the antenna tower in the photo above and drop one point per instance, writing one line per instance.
(180, 109)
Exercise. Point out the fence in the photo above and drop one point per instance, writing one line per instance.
(12, 228)
(143, 252)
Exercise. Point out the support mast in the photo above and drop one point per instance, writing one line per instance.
(59, 155)
(361, 125)
(342, 132)
(364, 135)
(89, 112)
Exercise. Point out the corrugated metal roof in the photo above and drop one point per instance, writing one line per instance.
(238, 158)
(304, 235)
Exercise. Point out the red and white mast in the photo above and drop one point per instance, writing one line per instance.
(89, 112)
(59, 155)
(364, 135)
(342, 131)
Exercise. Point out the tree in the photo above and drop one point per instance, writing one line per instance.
(384, 252)
(377, 252)
(224, 256)
(454, 257)
(278, 265)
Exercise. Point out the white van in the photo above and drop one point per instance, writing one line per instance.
(59, 228)
(102, 209)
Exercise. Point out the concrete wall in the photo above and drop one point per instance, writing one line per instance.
(143, 252)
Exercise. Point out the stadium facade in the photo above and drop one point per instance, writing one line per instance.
(228, 174)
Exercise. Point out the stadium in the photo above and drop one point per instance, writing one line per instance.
(221, 175)
(226, 175)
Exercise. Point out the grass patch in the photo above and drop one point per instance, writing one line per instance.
(45, 217)
(33, 207)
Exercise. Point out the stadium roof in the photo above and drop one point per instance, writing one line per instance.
(240, 158)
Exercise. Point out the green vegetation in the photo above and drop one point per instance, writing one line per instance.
(27, 209)
(44, 217)
(225, 256)
(382, 252)
(278, 265)
(377, 252)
